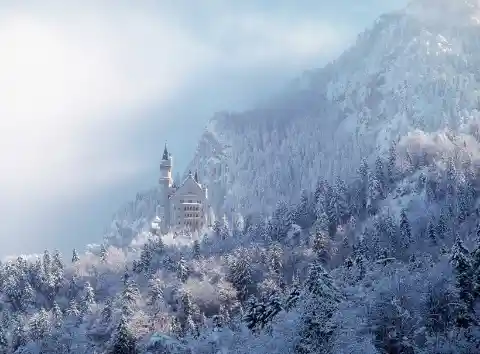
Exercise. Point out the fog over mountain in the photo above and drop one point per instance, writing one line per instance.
(346, 219)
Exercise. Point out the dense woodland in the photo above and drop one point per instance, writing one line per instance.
(352, 221)
(386, 262)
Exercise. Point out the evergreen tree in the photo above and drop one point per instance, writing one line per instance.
(19, 337)
(123, 342)
(88, 297)
(272, 308)
(321, 247)
(129, 299)
(462, 263)
(217, 228)
(57, 272)
(380, 177)
(73, 287)
(39, 325)
(321, 303)
(57, 315)
(103, 253)
(47, 263)
(391, 164)
(254, 312)
(146, 256)
(405, 230)
(432, 232)
(107, 311)
(3, 341)
(75, 257)
(196, 249)
(155, 293)
(182, 270)
(305, 211)
(476, 271)
(293, 295)
(362, 188)
(281, 222)
(374, 195)
(240, 275)
(442, 226)
(341, 201)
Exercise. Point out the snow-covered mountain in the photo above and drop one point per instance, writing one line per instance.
(414, 69)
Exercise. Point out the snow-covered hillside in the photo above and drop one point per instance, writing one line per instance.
(414, 69)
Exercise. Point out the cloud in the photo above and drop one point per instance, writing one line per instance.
(76, 79)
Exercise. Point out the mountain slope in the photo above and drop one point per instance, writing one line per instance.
(414, 69)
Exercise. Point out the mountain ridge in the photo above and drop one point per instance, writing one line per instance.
(406, 72)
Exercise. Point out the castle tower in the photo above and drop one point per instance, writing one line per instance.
(165, 182)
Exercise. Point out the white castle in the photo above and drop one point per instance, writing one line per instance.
(185, 206)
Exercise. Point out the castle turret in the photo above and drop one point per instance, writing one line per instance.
(165, 182)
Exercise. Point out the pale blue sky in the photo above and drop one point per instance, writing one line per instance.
(90, 90)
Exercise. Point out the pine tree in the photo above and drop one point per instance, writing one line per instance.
(103, 253)
(155, 292)
(107, 311)
(196, 249)
(39, 325)
(322, 301)
(130, 297)
(88, 297)
(254, 312)
(462, 263)
(321, 247)
(380, 177)
(73, 287)
(281, 222)
(182, 270)
(123, 342)
(341, 202)
(293, 295)
(272, 309)
(374, 194)
(405, 230)
(476, 271)
(305, 211)
(442, 226)
(57, 272)
(146, 257)
(3, 341)
(391, 164)
(19, 336)
(240, 275)
(47, 263)
(57, 315)
(432, 232)
(362, 188)
(75, 257)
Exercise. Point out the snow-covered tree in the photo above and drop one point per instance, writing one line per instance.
(124, 341)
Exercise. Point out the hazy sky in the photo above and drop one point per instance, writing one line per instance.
(90, 90)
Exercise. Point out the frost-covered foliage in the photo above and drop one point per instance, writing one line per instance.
(327, 248)
(326, 275)
(414, 69)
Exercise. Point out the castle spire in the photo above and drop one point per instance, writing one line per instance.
(196, 176)
(165, 153)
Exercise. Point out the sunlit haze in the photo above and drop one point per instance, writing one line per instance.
(90, 91)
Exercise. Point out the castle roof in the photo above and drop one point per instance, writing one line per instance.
(190, 180)
(165, 153)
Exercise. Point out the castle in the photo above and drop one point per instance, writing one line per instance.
(182, 207)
